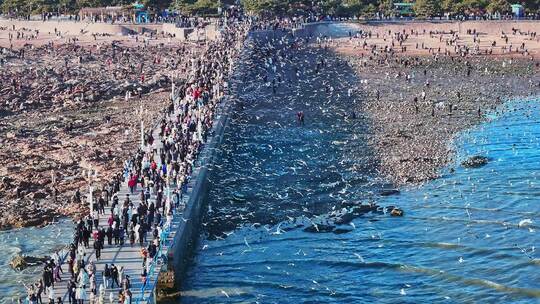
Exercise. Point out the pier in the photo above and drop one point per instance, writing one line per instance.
(178, 232)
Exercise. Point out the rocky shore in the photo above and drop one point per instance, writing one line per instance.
(67, 108)
(46, 155)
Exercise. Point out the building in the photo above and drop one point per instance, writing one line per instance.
(135, 13)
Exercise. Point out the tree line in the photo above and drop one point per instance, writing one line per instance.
(370, 8)
(337, 8)
(187, 7)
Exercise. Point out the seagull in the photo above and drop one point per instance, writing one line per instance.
(402, 292)
(359, 257)
(460, 260)
(278, 230)
(524, 222)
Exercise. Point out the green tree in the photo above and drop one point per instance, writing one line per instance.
(369, 10)
(18, 7)
(472, 6)
(426, 8)
(387, 7)
(266, 7)
(350, 8)
(450, 6)
(499, 6)
(42, 6)
(204, 7)
(531, 6)
(65, 6)
(156, 4)
(88, 3)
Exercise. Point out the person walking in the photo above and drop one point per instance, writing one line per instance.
(97, 247)
(72, 292)
(114, 276)
(107, 276)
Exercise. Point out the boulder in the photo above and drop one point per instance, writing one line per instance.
(396, 212)
(476, 161)
(388, 192)
(20, 262)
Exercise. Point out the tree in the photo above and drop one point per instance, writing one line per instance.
(156, 4)
(531, 6)
(350, 8)
(369, 11)
(426, 8)
(265, 7)
(387, 7)
(65, 6)
(88, 3)
(18, 7)
(474, 6)
(204, 7)
(450, 6)
(42, 6)
(499, 6)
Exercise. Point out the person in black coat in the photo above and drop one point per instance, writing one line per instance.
(109, 235)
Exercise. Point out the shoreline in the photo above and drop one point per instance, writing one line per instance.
(419, 100)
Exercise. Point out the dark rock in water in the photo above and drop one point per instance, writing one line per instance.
(20, 262)
(476, 161)
(345, 219)
(319, 228)
(389, 192)
(342, 230)
(396, 212)
(362, 209)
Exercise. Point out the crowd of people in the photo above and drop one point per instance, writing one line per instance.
(165, 163)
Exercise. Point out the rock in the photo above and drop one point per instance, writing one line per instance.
(345, 219)
(476, 161)
(388, 192)
(396, 212)
(20, 262)
(342, 230)
(39, 195)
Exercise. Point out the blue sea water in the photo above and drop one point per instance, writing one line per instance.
(470, 236)
(37, 242)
